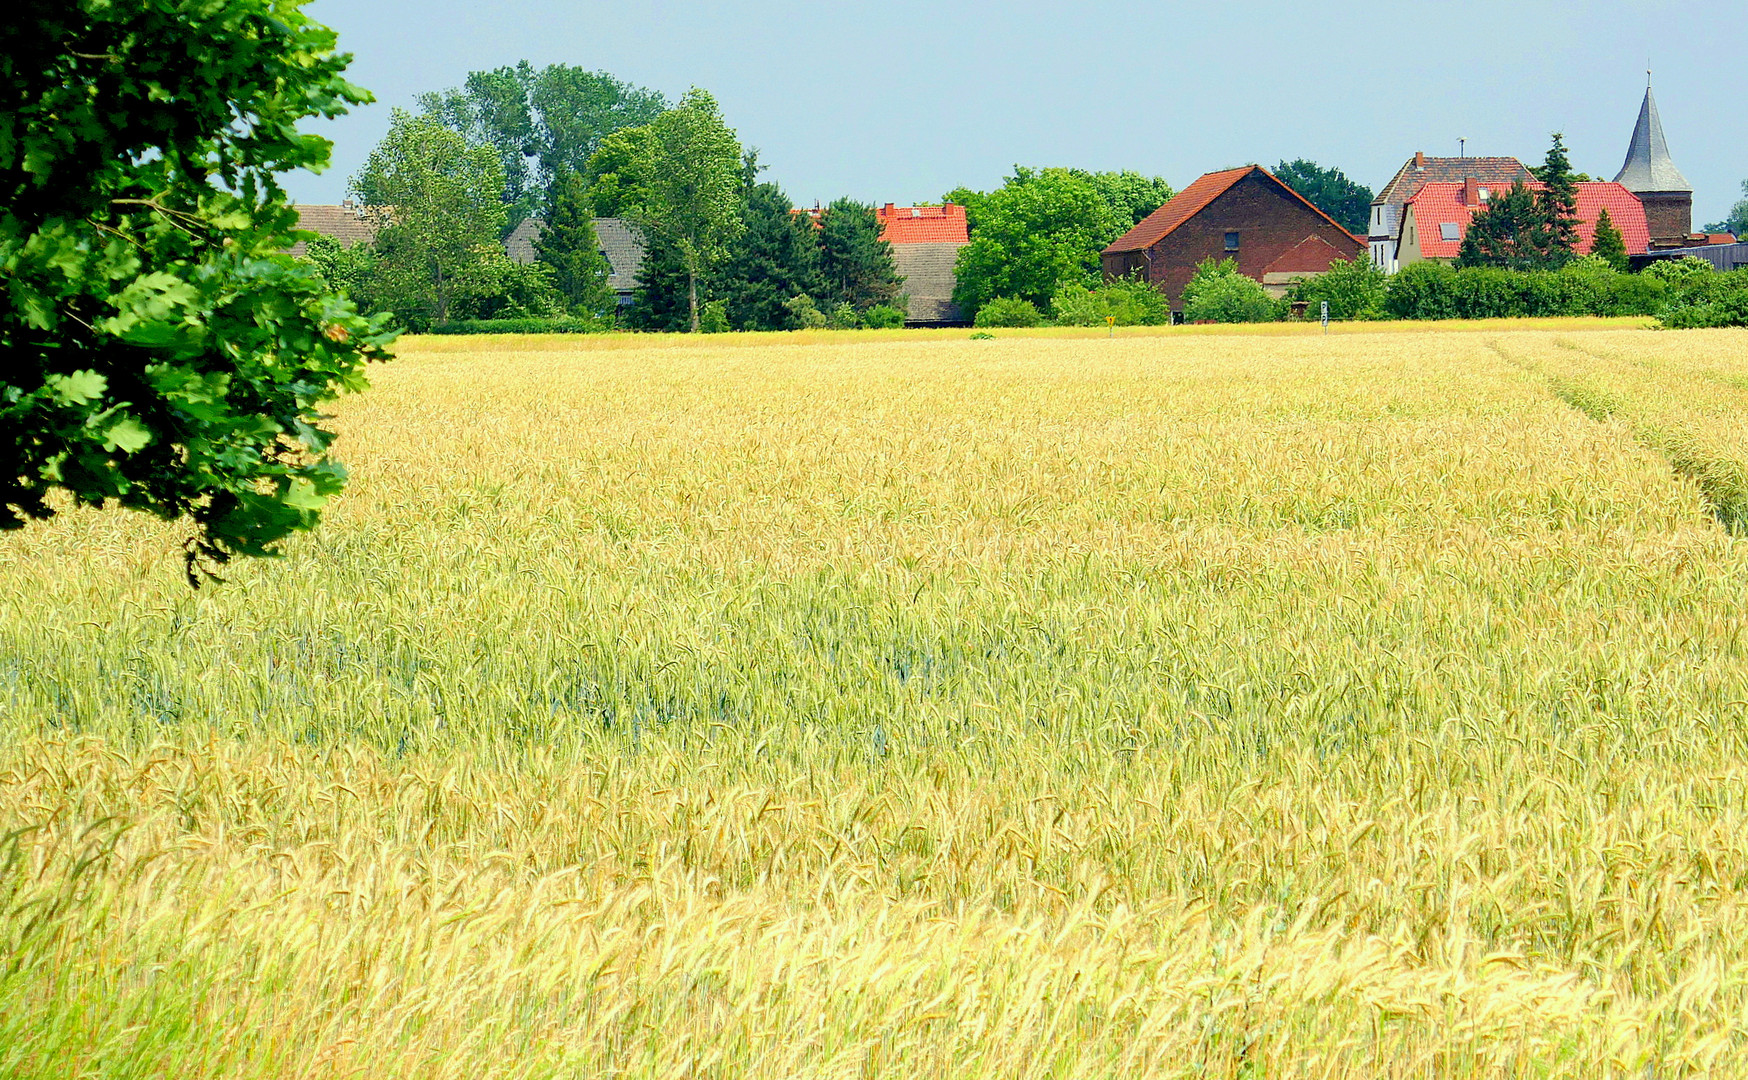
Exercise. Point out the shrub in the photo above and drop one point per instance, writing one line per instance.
(1710, 300)
(566, 325)
(1587, 286)
(805, 312)
(1219, 293)
(1009, 311)
(843, 317)
(1354, 289)
(883, 317)
(1678, 272)
(713, 317)
(1131, 301)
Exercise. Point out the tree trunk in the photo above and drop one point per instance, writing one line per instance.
(692, 279)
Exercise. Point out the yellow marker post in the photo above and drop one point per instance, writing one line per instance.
(1111, 321)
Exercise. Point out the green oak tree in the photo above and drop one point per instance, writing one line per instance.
(161, 352)
(1041, 229)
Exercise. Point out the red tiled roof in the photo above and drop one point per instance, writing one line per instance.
(1312, 255)
(922, 224)
(1717, 237)
(1193, 200)
(1437, 204)
(1185, 205)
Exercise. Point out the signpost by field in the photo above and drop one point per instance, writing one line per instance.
(1111, 321)
(1326, 316)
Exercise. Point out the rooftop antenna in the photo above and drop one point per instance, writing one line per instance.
(1462, 147)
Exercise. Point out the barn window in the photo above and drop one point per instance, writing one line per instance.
(1231, 241)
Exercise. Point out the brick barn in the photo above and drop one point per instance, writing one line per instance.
(1274, 234)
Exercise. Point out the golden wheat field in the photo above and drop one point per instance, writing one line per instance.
(1187, 705)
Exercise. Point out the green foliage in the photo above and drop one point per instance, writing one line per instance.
(1707, 300)
(855, 264)
(616, 172)
(1131, 301)
(159, 350)
(1349, 203)
(1130, 196)
(569, 246)
(776, 257)
(1009, 311)
(1040, 230)
(662, 300)
(1736, 223)
(541, 123)
(843, 316)
(437, 204)
(804, 313)
(1217, 292)
(345, 269)
(568, 324)
(687, 191)
(1679, 272)
(1587, 286)
(512, 290)
(1524, 230)
(1353, 288)
(883, 317)
(713, 317)
(1609, 245)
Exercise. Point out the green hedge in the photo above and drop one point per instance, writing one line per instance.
(1708, 300)
(1587, 287)
(522, 326)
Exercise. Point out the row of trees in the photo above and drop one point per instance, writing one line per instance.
(451, 182)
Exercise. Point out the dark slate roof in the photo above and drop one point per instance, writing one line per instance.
(621, 242)
(927, 270)
(1411, 177)
(1648, 167)
(345, 223)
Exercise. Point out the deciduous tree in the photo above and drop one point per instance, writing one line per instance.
(1039, 230)
(160, 350)
(1330, 190)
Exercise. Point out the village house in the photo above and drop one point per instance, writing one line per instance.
(1273, 233)
(925, 250)
(345, 223)
(1385, 231)
(1437, 218)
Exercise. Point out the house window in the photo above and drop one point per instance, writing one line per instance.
(1448, 230)
(1231, 241)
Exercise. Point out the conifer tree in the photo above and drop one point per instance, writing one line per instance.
(1609, 246)
(1554, 238)
(1500, 235)
(856, 264)
(775, 260)
(571, 248)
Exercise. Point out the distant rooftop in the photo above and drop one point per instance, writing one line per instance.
(923, 224)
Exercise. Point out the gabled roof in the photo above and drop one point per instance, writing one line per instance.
(1438, 204)
(1312, 255)
(922, 224)
(1648, 167)
(345, 223)
(1420, 169)
(1193, 200)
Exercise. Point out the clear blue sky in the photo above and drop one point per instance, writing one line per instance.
(904, 100)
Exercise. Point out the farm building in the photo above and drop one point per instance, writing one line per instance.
(1435, 221)
(925, 249)
(621, 245)
(1418, 171)
(1722, 256)
(1248, 215)
(345, 223)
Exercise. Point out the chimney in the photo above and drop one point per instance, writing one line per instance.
(888, 209)
(1420, 159)
(1472, 191)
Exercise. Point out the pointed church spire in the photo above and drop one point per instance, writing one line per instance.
(1648, 167)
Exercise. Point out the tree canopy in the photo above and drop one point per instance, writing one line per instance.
(1348, 202)
(855, 264)
(1736, 222)
(161, 351)
(1525, 230)
(437, 204)
(775, 260)
(1041, 229)
(571, 247)
(540, 122)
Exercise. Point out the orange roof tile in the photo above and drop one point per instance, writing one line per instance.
(922, 224)
(1440, 203)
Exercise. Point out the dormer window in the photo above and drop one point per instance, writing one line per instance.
(1231, 241)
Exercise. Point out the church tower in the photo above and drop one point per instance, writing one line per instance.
(1653, 177)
